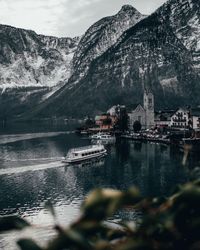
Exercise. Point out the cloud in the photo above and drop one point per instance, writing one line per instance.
(38, 15)
(64, 17)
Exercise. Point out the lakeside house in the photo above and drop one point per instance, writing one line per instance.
(163, 118)
(105, 122)
(196, 118)
(181, 118)
(113, 110)
(110, 120)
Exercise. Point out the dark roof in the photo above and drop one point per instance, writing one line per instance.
(164, 115)
(131, 107)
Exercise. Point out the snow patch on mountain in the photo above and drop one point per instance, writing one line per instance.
(31, 60)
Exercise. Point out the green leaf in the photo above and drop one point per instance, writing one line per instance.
(77, 239)
(69, 239)
(101, 203)
(12, 223)
(28, 244)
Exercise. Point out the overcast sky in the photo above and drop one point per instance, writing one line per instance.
(65, 17)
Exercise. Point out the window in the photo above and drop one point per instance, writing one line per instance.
(139, 119)
(150, 101)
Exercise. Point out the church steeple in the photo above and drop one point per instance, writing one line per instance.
(148, 100)
(149, 107)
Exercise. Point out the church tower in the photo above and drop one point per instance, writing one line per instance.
(149, 108)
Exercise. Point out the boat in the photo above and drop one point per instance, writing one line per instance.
(103, 136)
(85, 153)
(95, 162)
(103, 142)
(104, 139)
(84, 132)
(96, 136)
(107, 137)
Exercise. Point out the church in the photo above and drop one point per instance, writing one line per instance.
(144, 113)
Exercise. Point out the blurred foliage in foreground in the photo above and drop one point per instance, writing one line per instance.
(172, 223)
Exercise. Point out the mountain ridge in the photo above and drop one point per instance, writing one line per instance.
(160, 51)
(31, 60)
(101, 36)
(151, 51)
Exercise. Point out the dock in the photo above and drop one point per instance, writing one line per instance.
(146, 139)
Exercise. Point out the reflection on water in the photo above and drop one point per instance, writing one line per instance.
(31, 172)
(53, 125)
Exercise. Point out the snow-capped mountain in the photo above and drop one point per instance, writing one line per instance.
(31, 60)
(160, 52)
(121, 55)
(49, 58)
(101, 36)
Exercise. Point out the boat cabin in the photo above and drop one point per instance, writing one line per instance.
(84, 153)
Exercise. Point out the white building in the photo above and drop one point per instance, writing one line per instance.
(181, 119)
(163, 118)
(149, 109)
(144, 114)
(196, 118)
(112, 111)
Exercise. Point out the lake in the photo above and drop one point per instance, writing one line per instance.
(31, 172)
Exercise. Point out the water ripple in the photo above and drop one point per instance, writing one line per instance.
(9, 171)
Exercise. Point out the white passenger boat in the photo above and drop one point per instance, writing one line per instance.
(85, 153)
(103, 136)
(96, 136)
(107, 137)
(103, 142)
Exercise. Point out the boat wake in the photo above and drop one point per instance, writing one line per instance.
(18, 170)
(35, 159)
(4, 139)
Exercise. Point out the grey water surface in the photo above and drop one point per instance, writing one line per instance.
(31, 172)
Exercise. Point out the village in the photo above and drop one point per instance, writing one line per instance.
(144, 123)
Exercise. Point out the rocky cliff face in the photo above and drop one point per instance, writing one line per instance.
(160, 52)
(49, 58)
(101, 36)
(183, 16)
(31, 60)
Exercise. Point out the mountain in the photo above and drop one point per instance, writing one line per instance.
(31, 60)
(161, 52)
(97, 39)
(183, 17)
(121, 55)
(101, 36)
(32, 67)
